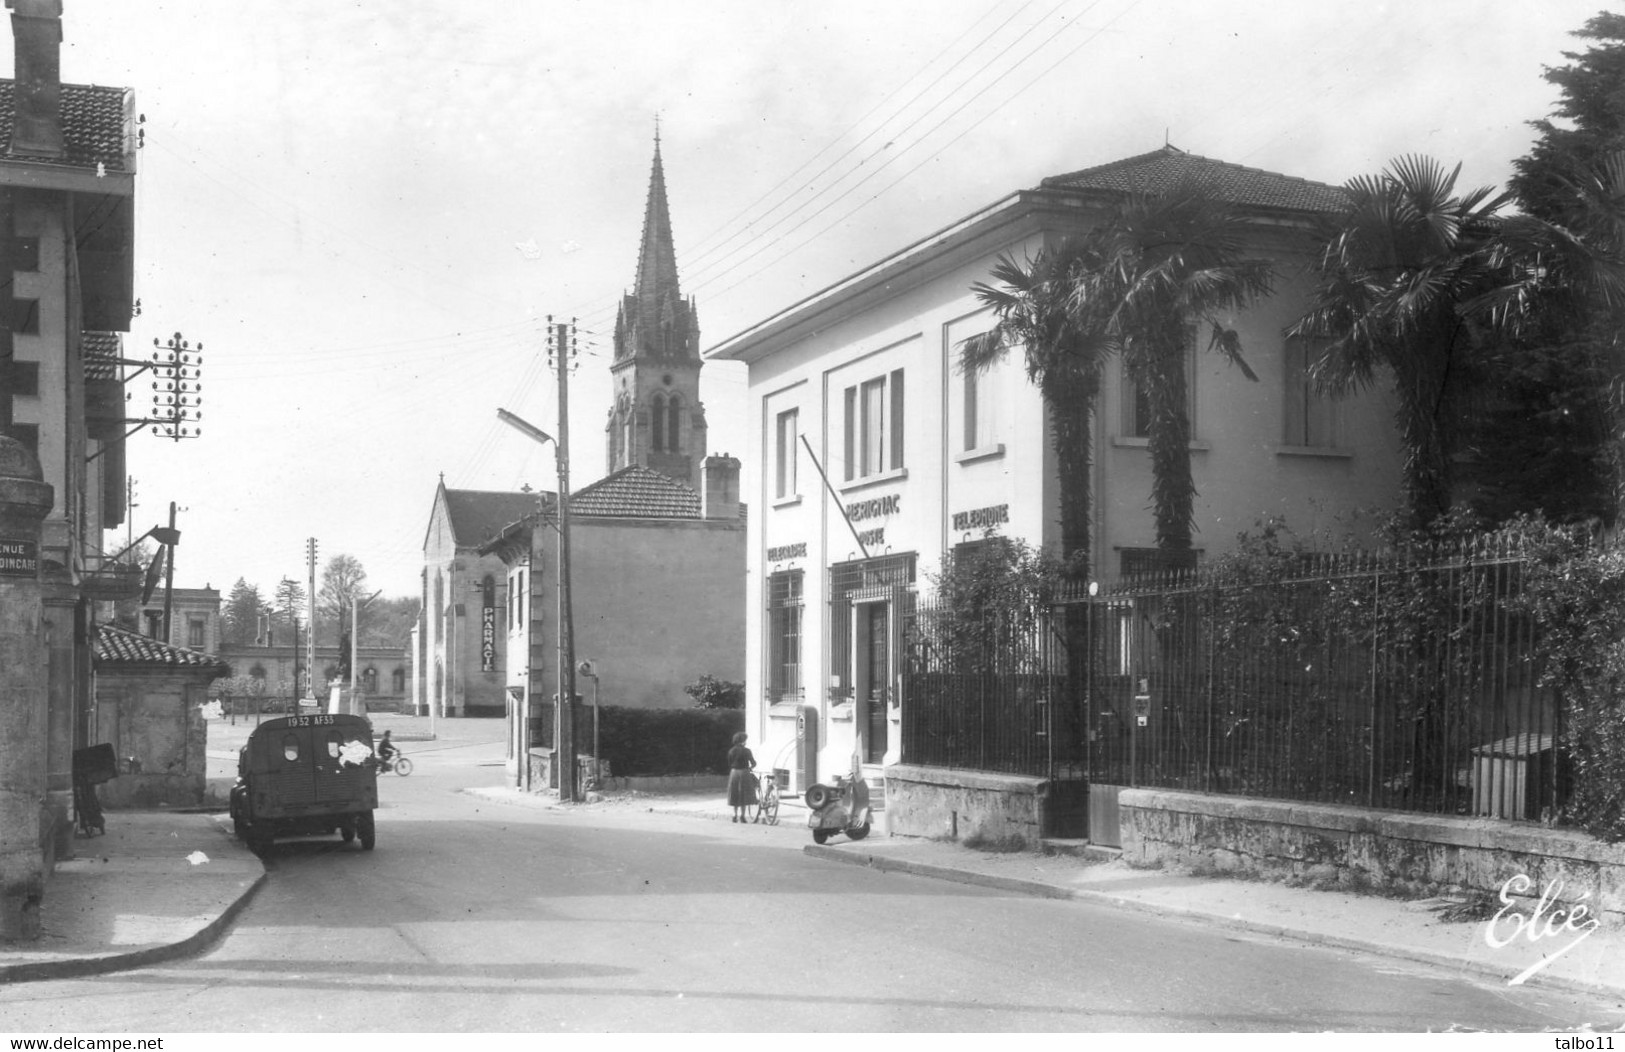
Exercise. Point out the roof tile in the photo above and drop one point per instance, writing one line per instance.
(1161, 169)
(120, 646)
(92, 124)
(639, 493)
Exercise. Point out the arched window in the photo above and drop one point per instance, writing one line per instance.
(674, 417)
(398, 680)
(369, 680)
(659, 421)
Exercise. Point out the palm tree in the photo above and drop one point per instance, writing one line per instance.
(1163, 265)
(1065, 353)
(1412, 279)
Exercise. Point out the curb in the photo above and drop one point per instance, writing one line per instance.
(1039, 889)
(192, 945)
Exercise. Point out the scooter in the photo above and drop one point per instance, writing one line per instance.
(840, 808)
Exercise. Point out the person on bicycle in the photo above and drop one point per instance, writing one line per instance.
(386, 750)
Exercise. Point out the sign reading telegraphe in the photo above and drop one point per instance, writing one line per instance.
(488, 639)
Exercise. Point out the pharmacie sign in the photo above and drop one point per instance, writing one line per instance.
(19, 558)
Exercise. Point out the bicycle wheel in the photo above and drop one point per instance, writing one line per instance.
(403, 766)
(770, 807)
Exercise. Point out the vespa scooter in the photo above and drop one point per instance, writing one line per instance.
(840, 808)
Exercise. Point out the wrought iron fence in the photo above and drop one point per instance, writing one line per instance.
(1399, 681)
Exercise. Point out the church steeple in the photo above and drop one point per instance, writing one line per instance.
(657, 420)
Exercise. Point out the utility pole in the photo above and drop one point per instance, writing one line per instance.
(310, 616)
(561, 352)
(169, 577)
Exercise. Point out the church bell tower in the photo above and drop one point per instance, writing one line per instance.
(657, 419)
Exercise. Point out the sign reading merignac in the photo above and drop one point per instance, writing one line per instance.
(19, 558)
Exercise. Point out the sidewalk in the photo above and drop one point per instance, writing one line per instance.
(164, 885)
(1406, 929)
(159, 885)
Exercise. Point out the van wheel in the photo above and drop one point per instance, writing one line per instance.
(365, 829)
(347, 831)
(257, 839)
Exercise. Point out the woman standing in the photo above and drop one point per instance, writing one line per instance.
(741, 782)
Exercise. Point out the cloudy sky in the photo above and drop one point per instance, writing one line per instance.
(364, 210)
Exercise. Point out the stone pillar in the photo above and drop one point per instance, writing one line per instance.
(25, 500)
(63, 648)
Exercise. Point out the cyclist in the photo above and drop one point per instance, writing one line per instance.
(386, 750)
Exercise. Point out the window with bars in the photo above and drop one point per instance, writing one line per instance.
(784, 636)
(1310, 417)
(846, 580)
(874, 426)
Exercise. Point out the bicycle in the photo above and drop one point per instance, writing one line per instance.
(397, 763)
(767, 802)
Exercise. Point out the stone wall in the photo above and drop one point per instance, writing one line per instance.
(959, 804)
(1351, 846)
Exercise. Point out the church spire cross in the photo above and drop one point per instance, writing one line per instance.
(657, 258)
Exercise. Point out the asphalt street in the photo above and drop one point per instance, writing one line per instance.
(480, 916)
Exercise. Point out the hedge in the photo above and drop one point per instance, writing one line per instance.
(659, 742)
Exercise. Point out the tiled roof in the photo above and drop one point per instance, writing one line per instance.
(1158, 170)
(101, 355)
(92, 124)
(478, 515)
(120, 646)
(636, 492)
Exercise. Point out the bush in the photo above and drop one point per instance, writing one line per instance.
(662, 742)
(709, 692)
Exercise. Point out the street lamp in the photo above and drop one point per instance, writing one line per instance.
(563, 711)
(356, 603)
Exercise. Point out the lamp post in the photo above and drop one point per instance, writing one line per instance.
(563, 710)
(356, 603)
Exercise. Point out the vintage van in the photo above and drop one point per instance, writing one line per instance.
(306, 776)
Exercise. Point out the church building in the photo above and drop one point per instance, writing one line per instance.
(657, 420)
(657, 549)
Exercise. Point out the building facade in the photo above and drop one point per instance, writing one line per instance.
(383, 674)
(458, 659)
(67, 186)
(859, 385)
(658, 586)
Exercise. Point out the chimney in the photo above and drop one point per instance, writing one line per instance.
(720, 500)
(36, 29)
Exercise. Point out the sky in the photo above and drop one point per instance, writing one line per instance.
(365, 211)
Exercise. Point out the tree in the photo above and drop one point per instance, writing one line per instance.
(1159, 268)
(1571, 178)
(289, 604)
(242, 613)
(343, 580)
(1064, 353)
(1431, 289)
(709, 692)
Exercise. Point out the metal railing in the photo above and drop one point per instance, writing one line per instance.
(1401, 682)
